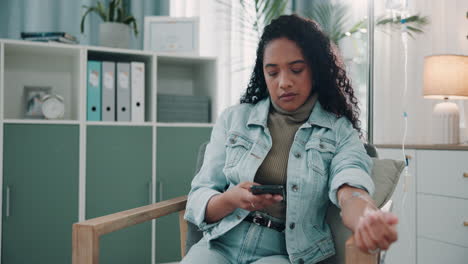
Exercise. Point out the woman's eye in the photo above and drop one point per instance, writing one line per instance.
(272, 74)
(296, 70)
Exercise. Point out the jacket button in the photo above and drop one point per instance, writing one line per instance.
(238, 217)
(292, 225)
(300, 261)
(232, 141)
(295, 188)
(321, 146)
(297, 155)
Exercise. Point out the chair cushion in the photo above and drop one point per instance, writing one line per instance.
(385, 174)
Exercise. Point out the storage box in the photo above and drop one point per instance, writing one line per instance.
(183, 108)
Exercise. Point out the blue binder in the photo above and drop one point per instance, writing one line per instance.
(93, 107)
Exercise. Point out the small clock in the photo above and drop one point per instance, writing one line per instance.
(53, 106)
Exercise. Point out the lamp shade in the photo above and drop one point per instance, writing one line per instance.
(446, 76)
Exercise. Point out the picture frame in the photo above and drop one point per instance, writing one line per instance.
(172, 34)
(33, 96)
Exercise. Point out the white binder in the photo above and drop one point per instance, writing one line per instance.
(108, 91)
(137, 70)
(123, 91)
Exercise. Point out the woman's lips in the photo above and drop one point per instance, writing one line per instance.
(287, 97)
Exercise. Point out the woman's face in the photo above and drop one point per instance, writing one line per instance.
(287, 75)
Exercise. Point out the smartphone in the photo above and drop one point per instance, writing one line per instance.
(264, 189)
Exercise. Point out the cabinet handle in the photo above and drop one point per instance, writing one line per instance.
(7, 202)
(465, 223)
(160, 191)
(465, 175)
(150, 192)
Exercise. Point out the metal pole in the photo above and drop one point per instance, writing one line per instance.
(370, 70)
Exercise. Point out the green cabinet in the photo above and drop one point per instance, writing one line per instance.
(177, 151)
(118, 177)
(40, 192)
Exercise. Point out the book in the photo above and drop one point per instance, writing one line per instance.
(25, 35)
(53, 39)
(94, 82)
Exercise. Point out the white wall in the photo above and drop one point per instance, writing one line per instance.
(446, 34)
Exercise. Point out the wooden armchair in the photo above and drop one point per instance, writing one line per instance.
(85, 244)
(85, 249)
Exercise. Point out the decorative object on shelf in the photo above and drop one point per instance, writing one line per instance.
(33, 96)
(53, 106)
(51, 36)
(445, 77)
(115, 31)
(170, 34)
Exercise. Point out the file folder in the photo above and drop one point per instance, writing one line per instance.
(123, 91)
(108, 91)
(93, 106)
(138, 91)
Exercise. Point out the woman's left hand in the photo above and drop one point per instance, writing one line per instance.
(375, 230)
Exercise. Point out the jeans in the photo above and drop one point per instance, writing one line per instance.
(245, 243)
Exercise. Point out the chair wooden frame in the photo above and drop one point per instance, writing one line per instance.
(86, 234)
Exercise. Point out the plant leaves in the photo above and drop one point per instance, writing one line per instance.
(89, 10)
(331, 18)
(130, 20)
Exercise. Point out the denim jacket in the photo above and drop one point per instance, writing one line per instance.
(325, 154)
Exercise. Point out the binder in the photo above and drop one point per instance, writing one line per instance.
(123, 91)
(108, 91)
(93, 106)
(138, 91)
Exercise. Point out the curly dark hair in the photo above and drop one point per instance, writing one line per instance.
(335, 93)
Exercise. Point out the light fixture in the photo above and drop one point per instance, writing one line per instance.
(446, 77)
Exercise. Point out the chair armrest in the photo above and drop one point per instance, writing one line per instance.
(355, 256)
(85, 238)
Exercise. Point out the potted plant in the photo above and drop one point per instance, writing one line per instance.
(115, 29)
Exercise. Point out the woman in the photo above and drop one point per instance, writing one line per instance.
(297, 126)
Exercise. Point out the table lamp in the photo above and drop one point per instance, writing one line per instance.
(446, 77)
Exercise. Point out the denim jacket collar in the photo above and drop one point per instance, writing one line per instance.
(318, 117)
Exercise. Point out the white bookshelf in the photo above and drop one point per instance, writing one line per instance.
(164, 124)
(41, 121)
(64, 68)
(1, 137)
(40, 66)
(190, 75)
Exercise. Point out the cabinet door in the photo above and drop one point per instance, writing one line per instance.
(442, 173)
(118, 177)
(437, 252)
(40, 192)
(404, 206)
(177, 151)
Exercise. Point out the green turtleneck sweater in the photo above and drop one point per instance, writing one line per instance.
(283, 125)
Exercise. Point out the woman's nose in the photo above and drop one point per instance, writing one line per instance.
(285, 81)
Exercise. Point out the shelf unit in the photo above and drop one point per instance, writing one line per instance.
(63, 67)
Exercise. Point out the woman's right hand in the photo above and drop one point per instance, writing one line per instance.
(240, 196)
(237, 197)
